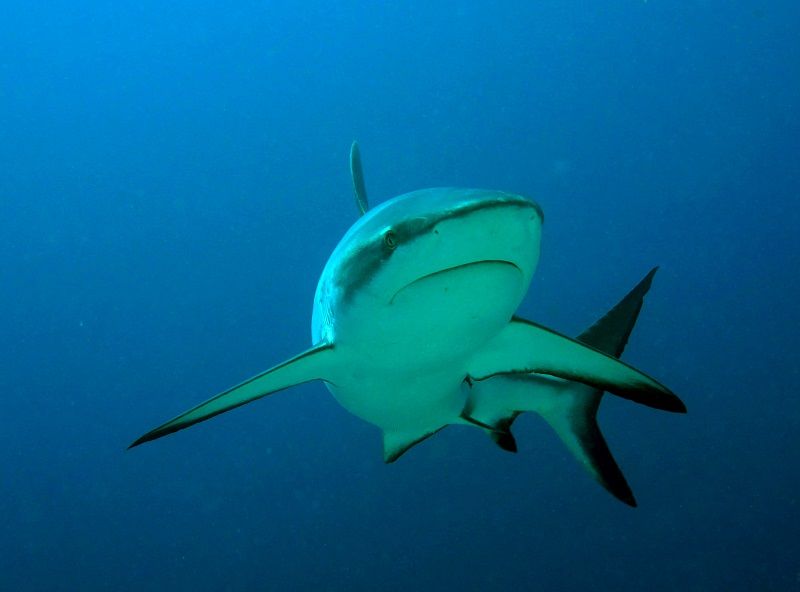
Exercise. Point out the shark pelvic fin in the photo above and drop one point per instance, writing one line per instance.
(357, 176)
(315, 363)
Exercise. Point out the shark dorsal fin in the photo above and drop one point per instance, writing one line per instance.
(357, 175)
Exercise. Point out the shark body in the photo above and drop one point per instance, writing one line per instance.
(413, 329)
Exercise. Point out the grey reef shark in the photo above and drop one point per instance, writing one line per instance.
(414, 329)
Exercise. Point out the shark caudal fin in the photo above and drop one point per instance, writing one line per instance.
(315, 363)
(574, 419)
(570, 408)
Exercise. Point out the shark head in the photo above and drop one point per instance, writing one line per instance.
(425, 243)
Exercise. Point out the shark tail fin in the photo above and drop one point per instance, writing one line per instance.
(570, 408)
(610, 334)
(575, 422)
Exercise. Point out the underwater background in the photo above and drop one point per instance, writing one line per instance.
(173, 177)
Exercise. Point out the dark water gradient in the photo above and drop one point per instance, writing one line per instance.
(172, 178)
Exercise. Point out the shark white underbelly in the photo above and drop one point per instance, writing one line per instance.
(408, 368)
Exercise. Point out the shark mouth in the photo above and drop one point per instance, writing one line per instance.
(456, 268)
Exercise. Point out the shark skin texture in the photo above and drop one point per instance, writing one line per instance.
(414, 329)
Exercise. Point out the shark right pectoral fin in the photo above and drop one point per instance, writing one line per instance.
(315, 363)
(525, 347)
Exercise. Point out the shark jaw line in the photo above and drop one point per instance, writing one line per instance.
(453, 268)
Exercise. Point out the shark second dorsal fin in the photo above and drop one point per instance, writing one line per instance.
(357, 175)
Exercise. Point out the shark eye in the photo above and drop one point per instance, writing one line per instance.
(390, 240)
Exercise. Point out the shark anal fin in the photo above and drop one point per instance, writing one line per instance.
(312, 364)
(525, 347)
(467, 419)
(502, 435)
(357, 176)
(499, 431)
(504, 440)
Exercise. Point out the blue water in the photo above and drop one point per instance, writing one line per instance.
(172, 179)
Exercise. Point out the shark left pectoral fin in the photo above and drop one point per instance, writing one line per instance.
(313, 364)
(396, 443)
(525, 347)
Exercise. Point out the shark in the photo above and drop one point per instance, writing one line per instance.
(414, 328)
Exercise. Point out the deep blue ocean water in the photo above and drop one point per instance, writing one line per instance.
(173, 177)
